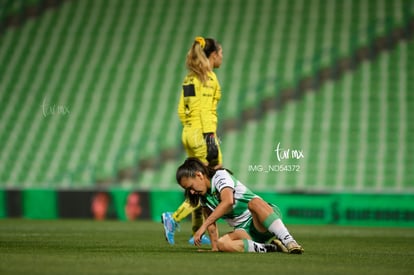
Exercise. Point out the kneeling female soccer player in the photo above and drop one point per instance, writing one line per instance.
(255, 222)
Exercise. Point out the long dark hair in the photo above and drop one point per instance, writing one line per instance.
(189, 169)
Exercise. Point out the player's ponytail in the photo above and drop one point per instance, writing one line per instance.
(197, 57)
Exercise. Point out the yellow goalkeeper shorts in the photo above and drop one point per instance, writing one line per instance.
(195, 145)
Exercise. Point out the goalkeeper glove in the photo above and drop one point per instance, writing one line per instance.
(212, 149)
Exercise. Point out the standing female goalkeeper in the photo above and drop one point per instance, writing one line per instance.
(197, 110)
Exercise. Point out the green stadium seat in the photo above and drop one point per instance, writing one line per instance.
(119, 68)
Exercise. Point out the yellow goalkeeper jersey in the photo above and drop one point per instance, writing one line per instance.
(198, 103)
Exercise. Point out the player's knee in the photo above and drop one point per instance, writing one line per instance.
(256, 203)
(221, 244)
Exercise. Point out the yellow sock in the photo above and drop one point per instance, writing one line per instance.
(196, 219)
(182, 211)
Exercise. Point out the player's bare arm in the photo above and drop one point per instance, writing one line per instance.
(225, 205)
(212, 230)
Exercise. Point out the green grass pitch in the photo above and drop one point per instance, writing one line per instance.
(114, 247)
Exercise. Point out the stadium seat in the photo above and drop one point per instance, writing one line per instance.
(117, 69)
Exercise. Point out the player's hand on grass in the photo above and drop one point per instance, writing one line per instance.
(198, 235)
(197, 238)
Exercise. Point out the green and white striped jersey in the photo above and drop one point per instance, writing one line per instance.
(241, 197)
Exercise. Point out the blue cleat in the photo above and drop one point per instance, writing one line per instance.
(169, 226)
(204, 240)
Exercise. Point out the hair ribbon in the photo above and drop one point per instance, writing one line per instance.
(200, 40)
